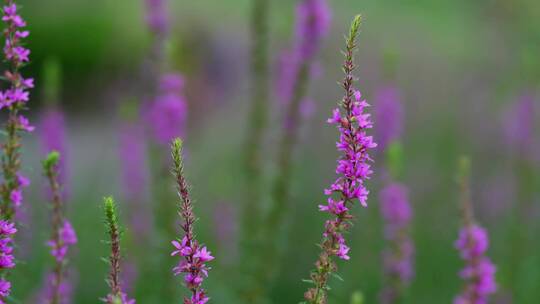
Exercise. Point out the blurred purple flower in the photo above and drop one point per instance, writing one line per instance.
(134, 173)
(388, 115)
(226, 229)
(52, 135)
(168, 112)
(398, 257)
(156, 16)
(518, 123)
(313, 19)
(479, 272)
(65, 291)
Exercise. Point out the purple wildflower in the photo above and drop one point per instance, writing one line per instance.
(353, 169)
(479, 271)
(156, 16)
(473, 242)
(52, 135)
(398, 258)
(313, 22)
(132, 155)
(388, 115)
(15, 99)
(7, 260)
(168, 112)
(64, 291)
(194, 256)
(519, 123)
(62, 237)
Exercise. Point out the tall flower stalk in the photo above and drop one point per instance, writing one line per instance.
(313, 19)
(353, 169)
(398, 256)
(63, 236)
(193, 255)
(52, 124)
(116, 295)
(258, 116)
(479, 271)
(14, 99)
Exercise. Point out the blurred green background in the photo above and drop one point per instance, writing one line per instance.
(460, 65)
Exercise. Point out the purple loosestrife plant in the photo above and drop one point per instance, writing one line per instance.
(193, 255)
(398, 257)
(14, 99)
(63, 235)
(353, 169)
(168, 112)
(479, 271)
(116, 295)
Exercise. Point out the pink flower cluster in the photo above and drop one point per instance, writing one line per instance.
(17, 55)
(479, 271)
(353, 169)
(7, 260)
(194, 266)
(66, 238)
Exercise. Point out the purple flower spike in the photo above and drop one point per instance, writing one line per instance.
(473, 243)
(388, 115)
(398, 257)
(519, 123)
(168, 113)
(15, 100)
(156, 16)
(479, 271)
(313, 23)
(353, 169)
(193, 255)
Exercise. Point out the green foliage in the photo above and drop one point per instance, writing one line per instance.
(394, 159)
(357, 298)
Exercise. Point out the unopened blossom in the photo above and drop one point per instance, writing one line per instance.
(116, 295)
(398, 256)
(194, 256)
(353, 169)
(168, 111)
(14, 98)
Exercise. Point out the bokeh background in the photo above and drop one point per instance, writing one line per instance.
(462, 68)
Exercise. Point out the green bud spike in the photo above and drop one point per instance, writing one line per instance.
(51, 161)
